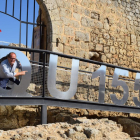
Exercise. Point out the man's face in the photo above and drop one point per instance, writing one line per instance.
(12, 59)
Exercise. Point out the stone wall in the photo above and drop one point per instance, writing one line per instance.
(102, 30)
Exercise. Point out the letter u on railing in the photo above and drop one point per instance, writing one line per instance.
(52, 79)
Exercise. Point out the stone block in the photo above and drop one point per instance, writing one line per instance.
(137, 11)
(87, 22)
(71, 41)
(54, 15)
(94, 38)
(78, 9)
(51, 138)
(66, 21)
(136, 59)
(106, 26)
(84, 46)
(109, 56)
(103, 58)
(106, 49)
(76, 1)
(110, 42)
(122, 51)
(92, 133)
(121, 44)
(112, 50)
(77, 16)
(102, 41)
(51, 5)
(99, 47)
(58, 48)
(136, 54)
(74, 23)
(64, 4)
(58, 30)
(65, 12)
(3, 110)
(80, 36)
(81, 53)
(93, 54)
(69, 50)
(99, 24)
(116, 44)
(87, 12)
(112, 60)
(115, 56)
(70, 132)
(133, 39)
(68, 31)
(85, 3)
(91, 46)
(106, 36)
(139, 43)
(95, 15)
(78, 128)
(129, 126)
(129, 53)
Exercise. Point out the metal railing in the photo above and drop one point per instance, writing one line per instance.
(46, 100)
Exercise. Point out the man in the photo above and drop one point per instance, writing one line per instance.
(7, 70)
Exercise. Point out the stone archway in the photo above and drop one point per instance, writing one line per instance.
(51, 18)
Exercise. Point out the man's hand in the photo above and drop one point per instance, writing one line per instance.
(21, 73)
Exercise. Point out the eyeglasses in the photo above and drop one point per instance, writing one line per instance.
(12, 58)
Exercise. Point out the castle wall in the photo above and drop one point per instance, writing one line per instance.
(102, 30)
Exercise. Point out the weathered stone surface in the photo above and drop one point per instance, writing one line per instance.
(16, 116)
(80, 36)
(92, 133)
(114, 24)
(68, 31)
(101, 30)
(99, 47)
(77, 16)
(93, 129)
(133, 39)
(93, 54)
(112, 50)
(129, 126)
(95, 15)
(78, 128)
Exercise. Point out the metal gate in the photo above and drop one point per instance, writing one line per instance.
(27, 13)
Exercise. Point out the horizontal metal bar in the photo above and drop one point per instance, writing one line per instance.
(10, 15)
(40, 63)
(67, 56)
(66, 103)
(89, 72)
(33, 23)
(22, 21)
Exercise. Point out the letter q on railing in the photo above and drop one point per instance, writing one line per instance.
(18, 90)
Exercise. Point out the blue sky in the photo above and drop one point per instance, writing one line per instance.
(10, 27)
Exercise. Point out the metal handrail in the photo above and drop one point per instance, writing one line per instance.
(67, 56)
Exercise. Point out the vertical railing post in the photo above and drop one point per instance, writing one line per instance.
(33, 30)
(20, 23)
(43, 114)
(44, 107)
(44, 61)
